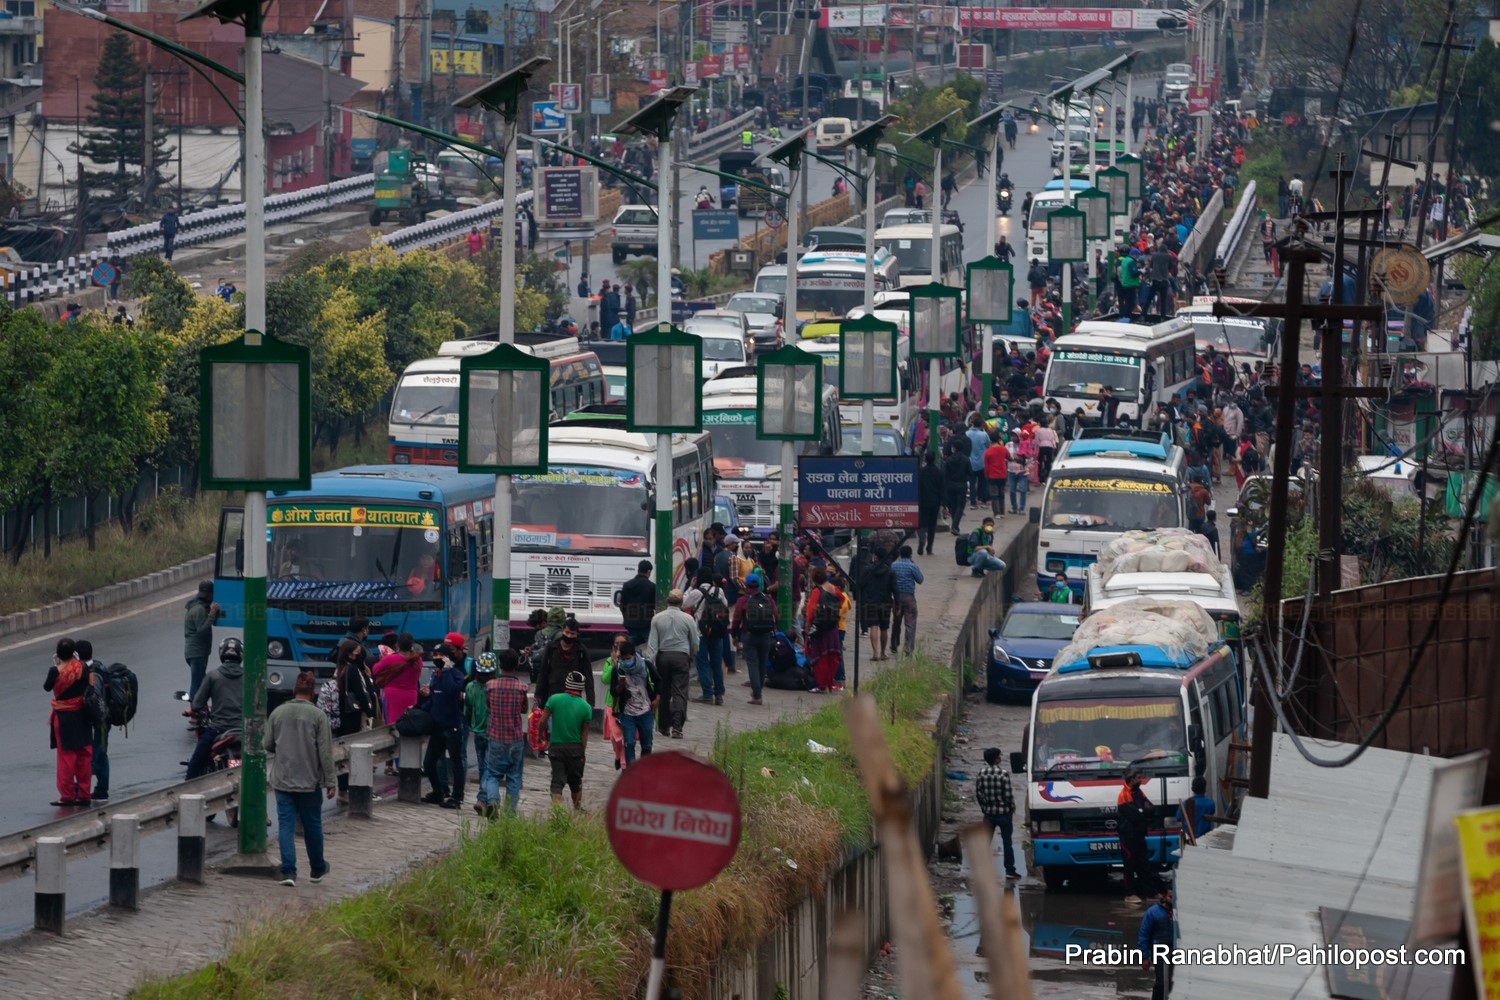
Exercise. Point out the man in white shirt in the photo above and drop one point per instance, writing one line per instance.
(672, 645)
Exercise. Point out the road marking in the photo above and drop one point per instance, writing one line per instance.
(102, 621)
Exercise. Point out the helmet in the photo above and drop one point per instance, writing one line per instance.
(231, 649)
(485, 664)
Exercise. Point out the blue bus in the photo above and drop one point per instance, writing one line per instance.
(409, 547)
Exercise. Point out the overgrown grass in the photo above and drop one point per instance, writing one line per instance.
(539, 908)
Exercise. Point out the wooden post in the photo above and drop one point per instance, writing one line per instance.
(361, 779)
(51, 884)
(192, 832)
(999, 925)
(125, 861)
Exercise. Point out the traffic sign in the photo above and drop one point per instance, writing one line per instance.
(716, 224)
(104, 274)
(836, 491)
(673, 821)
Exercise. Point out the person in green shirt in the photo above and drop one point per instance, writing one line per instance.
(477, 714)
(1060, 592)
(570, 716)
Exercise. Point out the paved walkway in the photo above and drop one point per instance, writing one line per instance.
(182, 927)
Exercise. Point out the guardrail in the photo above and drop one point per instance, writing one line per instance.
(436, 231)
(710, 139)
(1239, 224)
(1196, 249)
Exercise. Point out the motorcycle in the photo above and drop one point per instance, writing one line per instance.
(1004, 198)
(226, 753)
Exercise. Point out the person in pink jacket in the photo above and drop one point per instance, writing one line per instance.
(396, 675)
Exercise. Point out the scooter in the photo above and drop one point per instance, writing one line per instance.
(1003, 197)
(226, 753)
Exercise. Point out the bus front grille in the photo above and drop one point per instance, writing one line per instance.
(546, 591)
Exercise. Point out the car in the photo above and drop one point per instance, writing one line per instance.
(830, 132)
(634, 232)
(1179, 77)
(762, 315)
(726, 340)
(1022, 648)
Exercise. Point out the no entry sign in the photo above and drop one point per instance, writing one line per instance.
(673, 821)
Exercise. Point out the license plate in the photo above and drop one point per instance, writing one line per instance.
(1103, 846)
(637, 246)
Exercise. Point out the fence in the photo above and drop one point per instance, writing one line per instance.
(1244, 217)
(71, 515)
(1198, 248)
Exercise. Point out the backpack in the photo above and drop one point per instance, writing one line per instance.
(328, 701)
(760, 614)
(93, 704)
(540, 646)
(963, 550)
(122, 691)
(826, 613)
(713, 613)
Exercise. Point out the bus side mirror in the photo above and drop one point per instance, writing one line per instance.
(1017, 762)
(1034, 515)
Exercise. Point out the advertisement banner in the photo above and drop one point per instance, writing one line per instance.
(690, 74)
(546, 116)
(710, 67)
(470, 127)
(658, 80)
(918, 16)
(1199, 100)
(568, 96)
(1059, 18)
(468, 59)
(866, 16)
(856, 492)
(742, 58)
(1479, 847)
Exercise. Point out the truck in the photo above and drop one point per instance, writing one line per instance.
(406, 187)
(1146, 685)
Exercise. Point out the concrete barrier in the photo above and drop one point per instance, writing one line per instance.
(106, 597)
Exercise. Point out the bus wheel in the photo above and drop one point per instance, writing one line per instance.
(1054, 877)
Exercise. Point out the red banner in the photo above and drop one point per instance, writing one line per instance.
(1059, 18)
(742, 58)
(658, 78)
(1199, 100)
(710, 67)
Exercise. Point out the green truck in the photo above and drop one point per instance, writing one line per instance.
(406, 187)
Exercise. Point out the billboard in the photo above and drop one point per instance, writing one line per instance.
(568, 97)
(1061, 18)
(546, 116)
(856, 491)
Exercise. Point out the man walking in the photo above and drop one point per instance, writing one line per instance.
(1158, 930)
(506, 754)
(169, 235)
(1132, 809)
(638, 603)
(998, 803)
(908, 574)
(299, 741)
(570, 716)
(446, 691)
(673, 643)
(198, 634)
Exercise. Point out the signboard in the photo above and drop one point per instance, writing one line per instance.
(324, 515)
(742, 59)
(994, 82)
(658, 80)
(599, 100)
(729, 31)
(468, 59)
(716, 224)
(710, 67)
(546, 116)
(1060, 18)
(973, 55)
(1199, 99)
(1456, 787)
(104, 274)
(568, 97)
(864, 16)
(844, 491)
(673, 821)
(690, 74)
(561, 192)
(467, 126)
(1479, 844)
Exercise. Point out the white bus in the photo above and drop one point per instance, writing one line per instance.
(1045, 202)
(1242, 340)
(749, 469)
(911, 245)
(578, 532)
(1103, 484)
(423, 425)
(831, 282)
(1142, 365)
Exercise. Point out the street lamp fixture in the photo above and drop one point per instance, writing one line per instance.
(503, 396)
(989, 288)
(1065, 236)
(933, 313)
(867, 360)
(788, 397)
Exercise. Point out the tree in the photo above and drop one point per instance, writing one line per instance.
(209, 321)
(27, 417)
(117, 123)
(1478, 142)
(349, 371)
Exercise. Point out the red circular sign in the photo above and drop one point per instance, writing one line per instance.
(673, 820)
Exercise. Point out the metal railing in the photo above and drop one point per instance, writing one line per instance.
(1243, 218)
(88, 832)
(444, 229)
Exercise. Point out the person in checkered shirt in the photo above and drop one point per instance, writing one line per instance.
(998, 803)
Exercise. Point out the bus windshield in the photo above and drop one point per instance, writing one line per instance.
(913, 256)
(737, 443)
(1084, 373)
(1104, 502)
(1230, 333)
(576, 509)
(426, 399)
(331, 550)
(825, 301)
(1107, 735)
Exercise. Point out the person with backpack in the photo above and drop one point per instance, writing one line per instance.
(541, 643)
(956, 470)
(754, 627)
(563, 657)
(877, 600)
(72, 724)
(477, 715)
(638, 603)
(98, 677)
(446, 692)
(821, 629)
(1130, 282)
(222, 693)
(710, 610)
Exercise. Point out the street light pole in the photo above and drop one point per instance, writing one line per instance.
(992, 235)
(934, 367)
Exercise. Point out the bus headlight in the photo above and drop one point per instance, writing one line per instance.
(276, 649)
(1049, 826)
(273, 679)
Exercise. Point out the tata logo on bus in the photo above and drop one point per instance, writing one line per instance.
(559, 570)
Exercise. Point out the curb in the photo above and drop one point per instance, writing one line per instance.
(105, 597)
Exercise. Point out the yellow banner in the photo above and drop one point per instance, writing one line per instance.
(1479, 845)
(1093, 713)
(334, 517)
(1112, 485)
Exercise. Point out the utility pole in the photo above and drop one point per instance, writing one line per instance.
(396, 81)
(327, 138)
(181, 112)
(1292, 313)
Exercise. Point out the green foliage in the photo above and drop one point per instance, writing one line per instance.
(923, 107)
(117, 121)
(167, 298)
(349, 374)
(1265, 163)
(207, 322)
(540, 273)
(12, 193)
(701, 282)
(1478, 142)
(167, 511)
(639, 272)
(27, 410)
(1482, 278)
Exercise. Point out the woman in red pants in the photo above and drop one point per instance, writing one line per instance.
(821, 633)
(72, 730)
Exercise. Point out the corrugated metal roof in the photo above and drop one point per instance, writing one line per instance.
(1303, 848)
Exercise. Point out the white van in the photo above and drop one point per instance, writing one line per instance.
(832, 131)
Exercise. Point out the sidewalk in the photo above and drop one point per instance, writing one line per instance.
(181, 927)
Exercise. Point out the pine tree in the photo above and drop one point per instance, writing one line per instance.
(117, 123)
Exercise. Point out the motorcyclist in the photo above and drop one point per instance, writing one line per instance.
(1003, 192)
(222, 689)
(704, 198)
(679, 287)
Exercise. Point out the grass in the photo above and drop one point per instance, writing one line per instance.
(539, 908)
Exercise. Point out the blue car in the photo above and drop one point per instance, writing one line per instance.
(1022, 648)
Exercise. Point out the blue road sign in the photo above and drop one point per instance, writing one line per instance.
(716, 224)
(856, 491)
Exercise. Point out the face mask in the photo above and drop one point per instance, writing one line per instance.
(568, 641)
(628, 662)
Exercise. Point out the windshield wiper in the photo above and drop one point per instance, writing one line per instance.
(418, 420)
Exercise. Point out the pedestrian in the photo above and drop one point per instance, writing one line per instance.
(1156, 940)
(198, 634)
(996, 469)
(821, 629)
(222, 696)
(565, 656)
(997, 802)
(117, 275)
(1060, 592)
(299, 741)
(979, 440)
(955, 483)
(71, 725)
(168, 226)
(99, 762)
(982, 557)
(930, 492)
(1046, 447)
(396, 675)
(636, 691)
(569, 715)
(505, 735)
(709, 606)
(608, 316)
(877, 599)
(446, 692)
(1016, 472)
(909, 187)
(1282, 193)
(950, 187)
(477, 716)
(638, 603)
(753, 626)
(919, 192)
(1036, 280)
(907, 575)
(356, 691)
(630, 306)
(673, 644)
(475, 241)
(1132, 810)
(226, 290)
(1201, 806)
(1267, 235)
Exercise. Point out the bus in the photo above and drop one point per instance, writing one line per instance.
(1168, 709)
(1102, 484)
(1047, 201)
(831, 282)
(1141, 364)
(423, 424)
(408, 547)
(1242, 340)
(911, 245)
(749, 468)
(579, 530)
